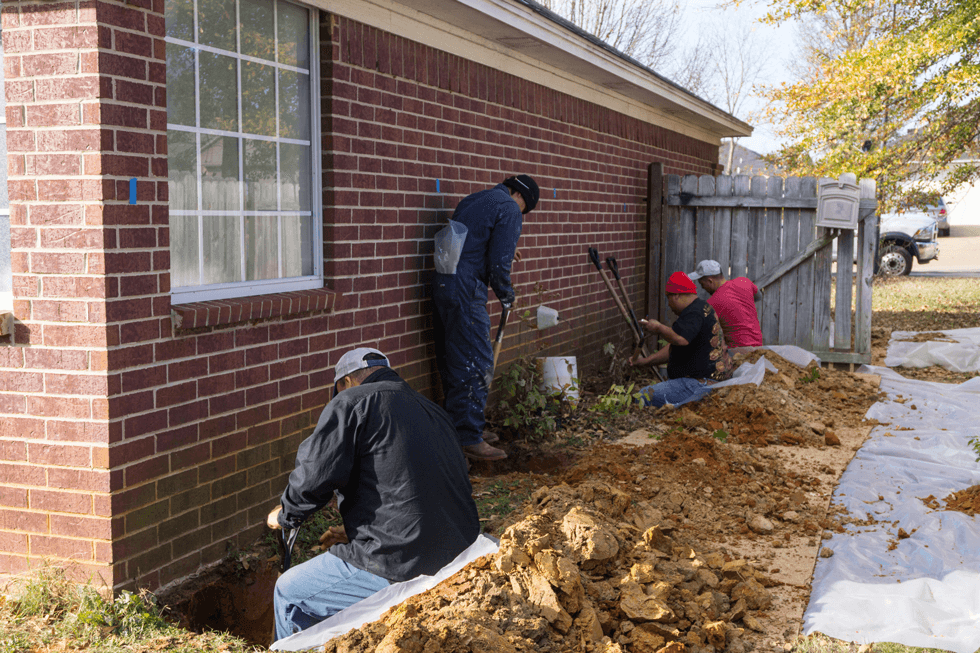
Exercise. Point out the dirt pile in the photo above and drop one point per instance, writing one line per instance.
(967, 501)
(631, 549)
(794, 406)
(588, 568)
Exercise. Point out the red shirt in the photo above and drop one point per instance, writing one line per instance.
(735, 305)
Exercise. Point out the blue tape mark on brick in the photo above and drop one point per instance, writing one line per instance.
(132, 190)
(437, 185)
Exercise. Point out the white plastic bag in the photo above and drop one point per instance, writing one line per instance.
(449, 246)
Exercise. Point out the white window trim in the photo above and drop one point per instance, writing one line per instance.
(238, 289)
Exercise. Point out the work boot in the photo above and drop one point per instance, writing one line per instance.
(483, 451)
(490, 437)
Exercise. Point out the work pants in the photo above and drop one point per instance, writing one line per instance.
(463, 353)
(674, 391)
(319, 588)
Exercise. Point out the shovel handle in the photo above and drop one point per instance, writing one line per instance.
(498, 341)
(594, 255)
(286, 542)
(613, 266)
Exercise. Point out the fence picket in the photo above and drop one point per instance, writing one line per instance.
(722, 236)
(804, 283)
(740, 228)
(756, 224)
(684, 256)
(771, 246)
(844, 284)
(706, 248)
(789, 300)
(865, 267)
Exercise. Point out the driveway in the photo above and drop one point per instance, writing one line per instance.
(959, 254)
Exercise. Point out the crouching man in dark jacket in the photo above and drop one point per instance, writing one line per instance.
(394, 460)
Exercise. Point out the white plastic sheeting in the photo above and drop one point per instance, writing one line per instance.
(756, 372)
(371, 608)
(925, 592)
(962, 355)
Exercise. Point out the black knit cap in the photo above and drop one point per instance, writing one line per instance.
(528, 189)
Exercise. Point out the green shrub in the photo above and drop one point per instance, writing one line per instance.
(617, 402)
(525, 407)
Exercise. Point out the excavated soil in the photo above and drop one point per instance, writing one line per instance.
(668, 530)
(674, 530)
(967, 501)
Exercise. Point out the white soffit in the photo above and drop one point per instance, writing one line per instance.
(511, 37)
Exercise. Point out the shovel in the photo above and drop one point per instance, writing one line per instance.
(286, 542)
(637, 334)
(614, 268)
(628, 315)
(498, 341)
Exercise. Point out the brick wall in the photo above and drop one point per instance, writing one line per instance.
(410, 130)
(141, 440)
(54, 434)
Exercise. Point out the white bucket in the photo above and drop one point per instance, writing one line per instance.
(547, 317)
(560, 375)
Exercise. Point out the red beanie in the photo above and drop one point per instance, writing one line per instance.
(681, 284)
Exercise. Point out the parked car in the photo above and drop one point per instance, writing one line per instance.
(938, 210)
(903, 237)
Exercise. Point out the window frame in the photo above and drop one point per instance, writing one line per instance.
(248, 288)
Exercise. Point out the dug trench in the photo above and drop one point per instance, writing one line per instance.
(686, 530)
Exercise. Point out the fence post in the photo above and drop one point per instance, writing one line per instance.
(655, 238)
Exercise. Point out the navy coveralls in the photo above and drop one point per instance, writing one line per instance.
(463, 350)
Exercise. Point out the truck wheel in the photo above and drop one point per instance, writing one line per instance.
(895, 261)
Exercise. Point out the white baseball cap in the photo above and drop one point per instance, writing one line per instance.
(706, 268)
(357, 359)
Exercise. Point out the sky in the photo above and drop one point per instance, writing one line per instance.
(782, 41)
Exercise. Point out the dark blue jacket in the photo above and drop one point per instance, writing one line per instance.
(494, 222)
(394, 460)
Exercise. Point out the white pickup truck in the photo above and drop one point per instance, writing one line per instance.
(904, 236)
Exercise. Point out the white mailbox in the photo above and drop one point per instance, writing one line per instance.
(838, 202)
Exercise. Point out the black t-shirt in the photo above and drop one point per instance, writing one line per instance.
(705, 356)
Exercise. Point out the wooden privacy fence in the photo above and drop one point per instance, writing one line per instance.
(765, 229)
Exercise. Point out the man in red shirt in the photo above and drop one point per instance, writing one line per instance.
(733, 301)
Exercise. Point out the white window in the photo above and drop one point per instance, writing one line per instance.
(241, 129)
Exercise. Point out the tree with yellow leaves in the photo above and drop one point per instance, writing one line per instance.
(894, 95)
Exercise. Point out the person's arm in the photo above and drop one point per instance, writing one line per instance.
(658, 357)
(502, 248)
(661, 330)
(323, 464)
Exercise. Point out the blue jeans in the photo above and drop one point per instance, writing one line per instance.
(319, 588)
(674, 391)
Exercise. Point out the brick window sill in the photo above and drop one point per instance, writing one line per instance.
(224, 312)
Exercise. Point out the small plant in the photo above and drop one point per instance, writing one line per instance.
(720, 435)
(526, 407)
(975, 444)
(811, 376)
(617, 402)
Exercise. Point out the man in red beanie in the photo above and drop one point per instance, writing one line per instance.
(695, 354)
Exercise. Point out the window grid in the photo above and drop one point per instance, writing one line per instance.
(279, 284)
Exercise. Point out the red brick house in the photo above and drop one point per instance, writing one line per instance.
(210, 201)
